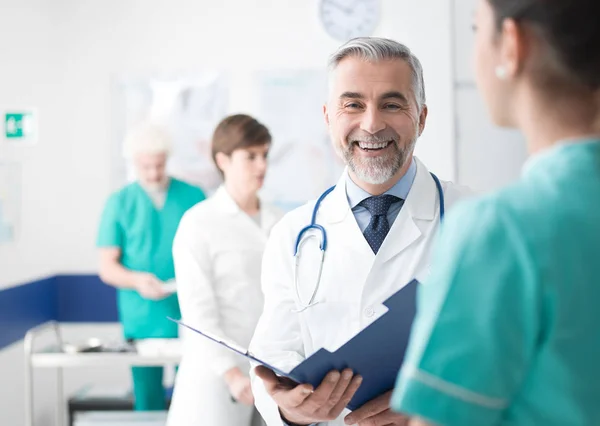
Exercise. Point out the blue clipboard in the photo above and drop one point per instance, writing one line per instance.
(376, 353)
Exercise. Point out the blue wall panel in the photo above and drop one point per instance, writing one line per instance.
(85, 298)
(64, 298)
(24, 307)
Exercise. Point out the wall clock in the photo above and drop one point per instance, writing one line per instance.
(346, 19)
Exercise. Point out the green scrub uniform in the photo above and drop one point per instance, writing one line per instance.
(132, 223)
(507, 324)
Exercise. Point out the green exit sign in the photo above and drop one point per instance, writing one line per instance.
(19, 125)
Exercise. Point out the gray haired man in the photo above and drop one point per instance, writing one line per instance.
(380, 221)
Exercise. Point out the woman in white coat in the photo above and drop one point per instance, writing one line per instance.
(217, 253)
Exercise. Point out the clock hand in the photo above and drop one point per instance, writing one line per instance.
(344, 9)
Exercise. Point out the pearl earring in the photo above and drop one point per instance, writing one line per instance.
(501, 72)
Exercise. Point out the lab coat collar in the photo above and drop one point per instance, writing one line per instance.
(269, 216)
(336, 206)
(225, 202)
(227, 205)
(421, 201)
(420, 205)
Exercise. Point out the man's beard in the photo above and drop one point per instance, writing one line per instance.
(380, 169)
(159, 186)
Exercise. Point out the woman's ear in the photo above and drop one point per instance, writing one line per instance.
(223, 161)
(515, 47)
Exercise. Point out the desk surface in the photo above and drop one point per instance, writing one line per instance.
(150, 352)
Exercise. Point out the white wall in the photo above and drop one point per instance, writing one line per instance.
(31, 69)
(487, 157)
(64, 54)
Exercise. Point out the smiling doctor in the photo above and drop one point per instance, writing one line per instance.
(379, 222)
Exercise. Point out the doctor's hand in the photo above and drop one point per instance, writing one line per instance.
(239, 386)
(301, 405)
(377, 413)
(148, 286)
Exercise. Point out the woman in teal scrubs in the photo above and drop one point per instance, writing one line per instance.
(507, 325)
(135, 240)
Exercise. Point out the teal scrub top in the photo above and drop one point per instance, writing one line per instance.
(507, 325)
(145, 234)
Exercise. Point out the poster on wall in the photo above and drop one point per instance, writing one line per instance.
(302, 161)
(10, 201)
(188, 107)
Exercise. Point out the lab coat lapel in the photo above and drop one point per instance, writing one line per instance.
(228, 206)
(419, 207)
(348, 259)
(225, 203)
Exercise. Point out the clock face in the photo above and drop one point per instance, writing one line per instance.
(346, 19)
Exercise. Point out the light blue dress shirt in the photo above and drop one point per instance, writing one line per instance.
(356, 195)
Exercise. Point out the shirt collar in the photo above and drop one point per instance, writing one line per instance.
(579, 144)
(401, 189)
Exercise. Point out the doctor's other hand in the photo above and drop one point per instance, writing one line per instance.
(301, 405)
(239, 386)
(148, 286)
(377, 413)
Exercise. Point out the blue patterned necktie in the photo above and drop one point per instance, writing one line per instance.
(378, 227)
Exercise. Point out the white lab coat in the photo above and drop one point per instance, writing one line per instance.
(217, 253)
(354, 283)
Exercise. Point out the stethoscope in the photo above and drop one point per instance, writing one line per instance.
(323, 245)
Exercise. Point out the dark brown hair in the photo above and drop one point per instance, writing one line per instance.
(238, 131)
(570, 28)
